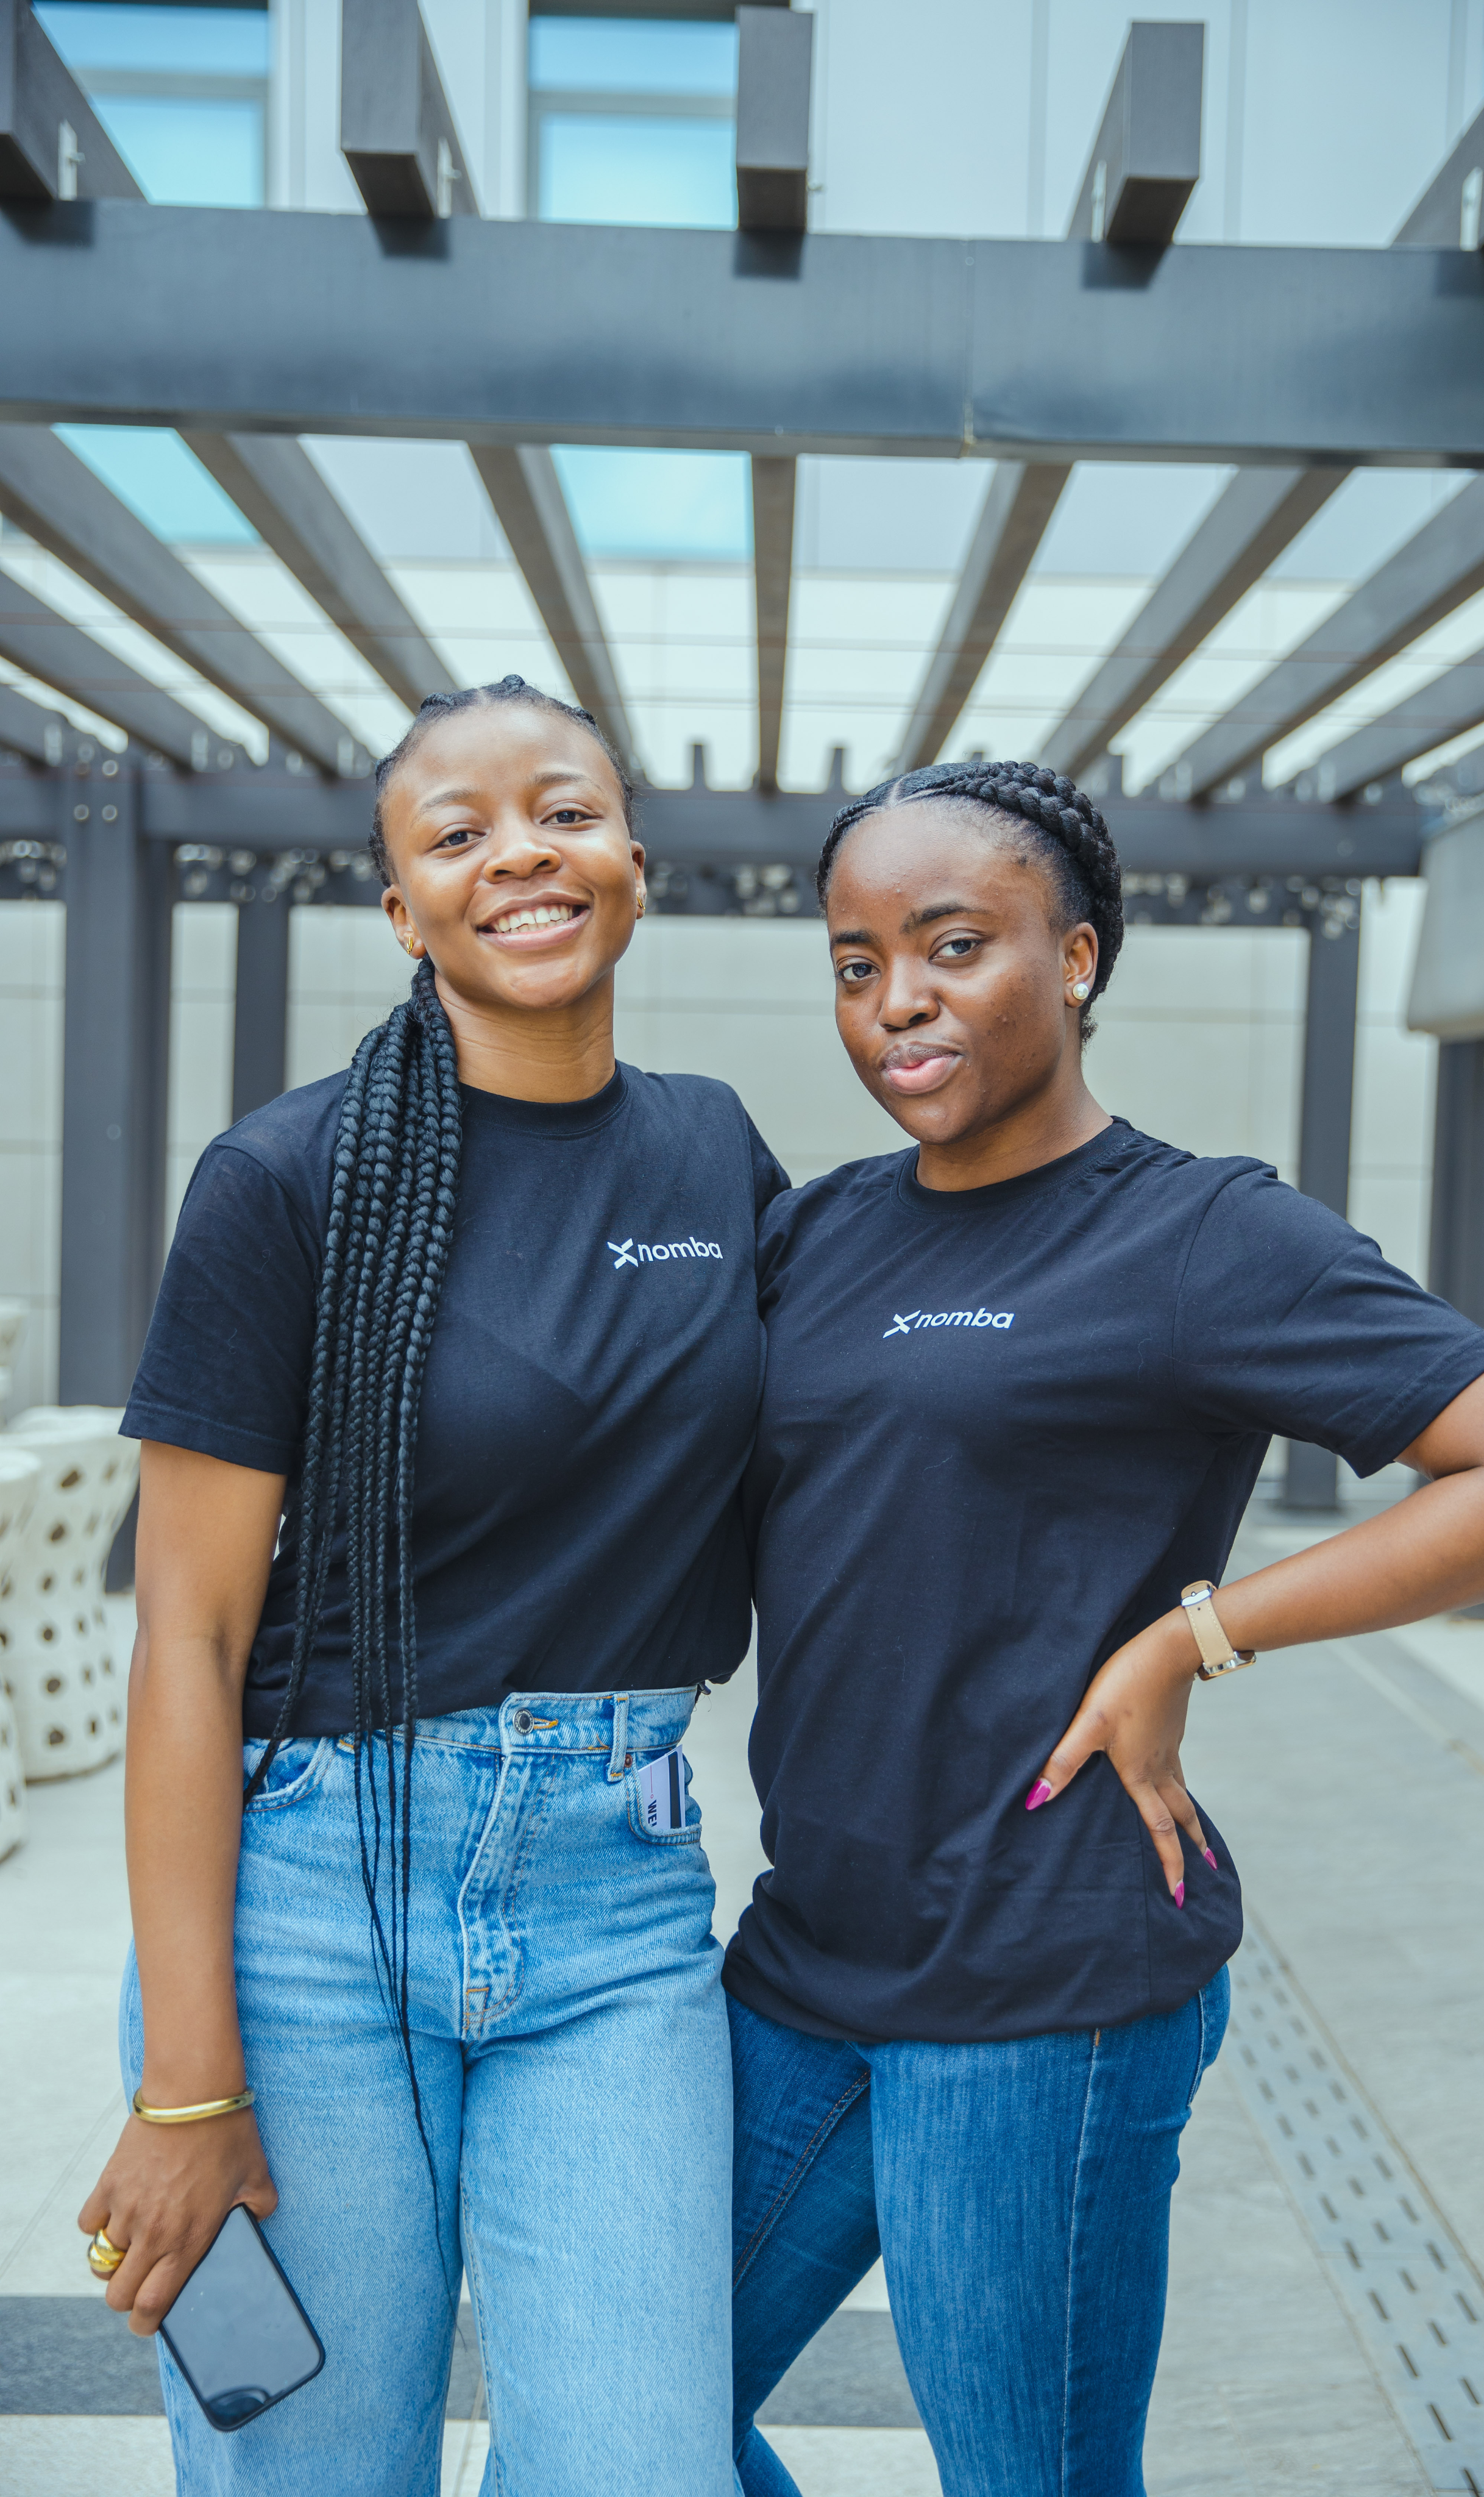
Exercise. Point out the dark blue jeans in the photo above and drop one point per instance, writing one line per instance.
(1021, 2197)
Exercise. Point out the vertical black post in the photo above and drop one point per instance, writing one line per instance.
(115, 1080)
(1324, 1138)
(260, 1025)
(1456, 1247)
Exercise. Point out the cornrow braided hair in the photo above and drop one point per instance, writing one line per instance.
(393, 1195)
(436, 706)
(1066, 828)
(392, 1198)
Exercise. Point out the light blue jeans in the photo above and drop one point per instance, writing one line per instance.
(572, 2055)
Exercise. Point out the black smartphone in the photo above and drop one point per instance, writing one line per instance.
(237, 2331)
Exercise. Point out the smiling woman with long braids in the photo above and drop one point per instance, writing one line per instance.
(445, 1403)
(1021, 1379)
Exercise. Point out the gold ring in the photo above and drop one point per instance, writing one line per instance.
(103, 2256)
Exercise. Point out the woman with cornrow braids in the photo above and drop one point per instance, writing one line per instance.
(445, 1406)
(1020, 1380)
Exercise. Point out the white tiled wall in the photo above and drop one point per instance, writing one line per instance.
(1198, 1041)
(751, 1002)
(1199, 1037)
(31, 943)
(345, 973)
(1396, 1079)
(203, 964)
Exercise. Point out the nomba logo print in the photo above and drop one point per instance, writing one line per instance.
(918, 1318)
(657, 1252)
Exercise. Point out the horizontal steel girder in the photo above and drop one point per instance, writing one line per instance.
(122, 313)
(269, 810)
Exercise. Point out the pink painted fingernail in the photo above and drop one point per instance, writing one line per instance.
(1211, 1860)
(1179, 1894)
(1037, 1795)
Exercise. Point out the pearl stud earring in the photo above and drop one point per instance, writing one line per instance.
(1080, 990)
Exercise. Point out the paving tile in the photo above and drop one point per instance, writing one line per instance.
(857, 2462)
(62, 2457)
(74, 2457)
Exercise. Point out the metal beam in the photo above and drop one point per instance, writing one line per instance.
(52, 145)
(1265, 838)
(775, 63)
(260, 1017)
(25, 728)
(1144, 163)
(1255, 517)
(1012, 522)
(397, 134)
(773, 563)
(33, 636)
(56, 498)
(1424, 581)
(1146, 159)
(276, 486)
(1324, 1134)
(1453, 703)
(262, 807)
(525, 491)
(1447, 214)
(115, 1065)
(121, 313)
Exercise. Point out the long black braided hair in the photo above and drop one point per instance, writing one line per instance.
(393, 1197)
(1067, 834)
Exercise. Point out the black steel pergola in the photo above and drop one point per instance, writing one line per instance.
(422, 319)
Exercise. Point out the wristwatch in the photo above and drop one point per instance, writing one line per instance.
(1217, 1653)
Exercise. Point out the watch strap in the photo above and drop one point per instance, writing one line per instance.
(1217, 1653)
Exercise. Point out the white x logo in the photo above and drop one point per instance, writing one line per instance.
(622, 1255)
(898, 1326)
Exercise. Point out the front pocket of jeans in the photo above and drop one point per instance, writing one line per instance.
(1214, 2004)
(298, 1771)
(690, 1836)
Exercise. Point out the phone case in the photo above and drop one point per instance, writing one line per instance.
(277, 2334)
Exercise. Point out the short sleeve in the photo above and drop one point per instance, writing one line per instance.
(769, 1179)
(1289, 1321)
(226, 1361)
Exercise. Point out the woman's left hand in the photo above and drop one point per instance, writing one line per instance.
(1134, 1709)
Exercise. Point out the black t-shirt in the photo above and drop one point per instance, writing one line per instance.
(1000, 1430)
(590, 1400)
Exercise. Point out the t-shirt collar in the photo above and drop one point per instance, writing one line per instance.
(1106, 1147)
(500, 1112)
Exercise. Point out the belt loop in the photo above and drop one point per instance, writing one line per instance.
(615, 1757)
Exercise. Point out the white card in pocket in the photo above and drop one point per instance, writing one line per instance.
(662, 1792)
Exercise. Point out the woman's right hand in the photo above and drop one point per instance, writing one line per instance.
(161, 2198)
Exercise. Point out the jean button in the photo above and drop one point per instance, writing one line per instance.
(525, 1720)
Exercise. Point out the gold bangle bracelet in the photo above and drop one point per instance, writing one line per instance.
(191, 2114)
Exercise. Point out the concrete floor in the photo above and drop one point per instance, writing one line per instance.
(1348, 1781)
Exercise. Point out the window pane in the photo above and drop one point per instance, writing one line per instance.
(685, 504)
(165, 484)
(92, 34)
(629, 169)
(203, 151)
(633, 56)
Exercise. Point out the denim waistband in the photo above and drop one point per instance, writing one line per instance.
(615, 1722)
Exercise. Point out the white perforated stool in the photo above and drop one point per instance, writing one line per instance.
(13, 1326)
(65, 1684)
(19, 1475)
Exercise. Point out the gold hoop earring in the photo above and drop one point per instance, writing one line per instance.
(639, 906)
